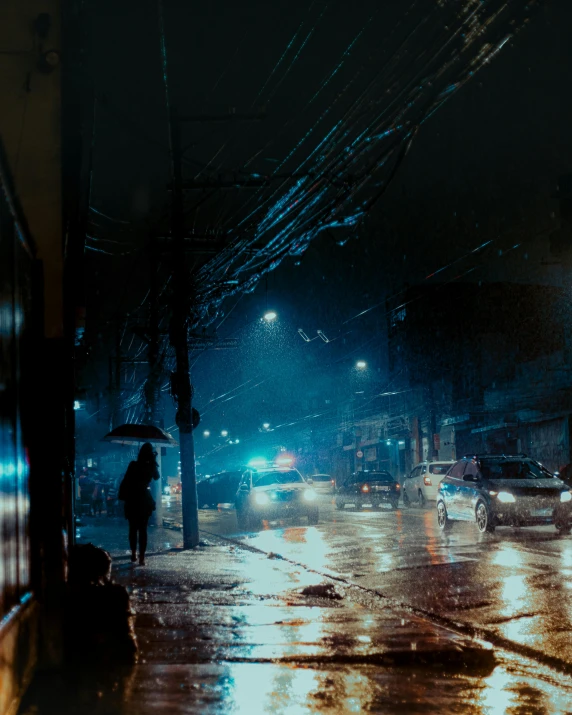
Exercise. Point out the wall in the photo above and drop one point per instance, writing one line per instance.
(30, 129)
(32, 388)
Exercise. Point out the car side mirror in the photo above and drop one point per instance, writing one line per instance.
(309, 480)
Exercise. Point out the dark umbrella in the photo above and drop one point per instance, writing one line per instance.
(136, 434)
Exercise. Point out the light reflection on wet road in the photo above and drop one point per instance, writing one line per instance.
(516, 583)
(226, 630)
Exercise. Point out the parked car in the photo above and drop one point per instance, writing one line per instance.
(274, 494)
(218, 489)
(422, 484)
(503, 490)
(322, 483)
(367, 487)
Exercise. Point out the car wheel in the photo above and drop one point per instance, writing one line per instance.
(422, 500)
(340, 504)
(394, 505)
(442, 518)
(406, 502)
(313, 516)
(483, 518)
(563, 527)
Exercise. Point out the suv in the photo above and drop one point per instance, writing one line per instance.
(503, 490)
(367, 487)
(422, 484)
(274, 494)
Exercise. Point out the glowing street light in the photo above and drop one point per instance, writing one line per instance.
(270, 315)
(266, 425)
(361, 364)
(224, 433)
(206, 433)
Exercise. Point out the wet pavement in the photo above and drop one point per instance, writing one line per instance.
(233, 628)
(513, 586)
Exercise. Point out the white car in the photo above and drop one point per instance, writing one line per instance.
(323, 483)
(423, 483)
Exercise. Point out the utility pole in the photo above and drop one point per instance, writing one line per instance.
(179, 340)
(114, 388)
(178, 329)
(153, 411)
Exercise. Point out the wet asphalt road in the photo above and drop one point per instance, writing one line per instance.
(515, 584)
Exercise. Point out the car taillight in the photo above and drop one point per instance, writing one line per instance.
(332, 481)
(427, 481)
(365, 488)
(397, 486)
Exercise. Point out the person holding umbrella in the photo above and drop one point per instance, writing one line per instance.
(139, 503)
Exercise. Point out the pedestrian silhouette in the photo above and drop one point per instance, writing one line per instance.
(139, 503)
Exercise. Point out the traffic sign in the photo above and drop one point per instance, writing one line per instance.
(359, 453)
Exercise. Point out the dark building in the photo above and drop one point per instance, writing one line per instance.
(482, 365)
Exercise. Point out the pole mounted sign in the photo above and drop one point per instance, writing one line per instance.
(359, 454)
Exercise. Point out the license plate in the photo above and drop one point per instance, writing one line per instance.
(541, 512)
(382, 489)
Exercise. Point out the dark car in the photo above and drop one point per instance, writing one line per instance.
(218, 489)
(366, 487)
(274, 494)
(503, 490)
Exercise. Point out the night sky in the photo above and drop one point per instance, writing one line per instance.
(480, 169)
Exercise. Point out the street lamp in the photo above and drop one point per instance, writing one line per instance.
(266, 425)
(361, 364)
(270, 315)
(224, 433)
(206, 433)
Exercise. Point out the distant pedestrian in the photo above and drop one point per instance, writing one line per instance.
(86, 485)
(111, 497)
(139, 504)
(97, 498)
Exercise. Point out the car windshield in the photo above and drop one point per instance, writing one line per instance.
(440, 469)
(320, 477)
(514, 469)
(268, 478)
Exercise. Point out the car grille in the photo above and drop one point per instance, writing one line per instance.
(283, 496)
(535, 502)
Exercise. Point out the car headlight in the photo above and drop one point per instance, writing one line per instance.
(261, 498)
(565, 496)
(506, 497)
(309, 495)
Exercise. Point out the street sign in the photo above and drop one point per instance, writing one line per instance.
(359, 454)
(213, 344)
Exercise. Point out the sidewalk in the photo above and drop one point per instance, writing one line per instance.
(225, 630)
